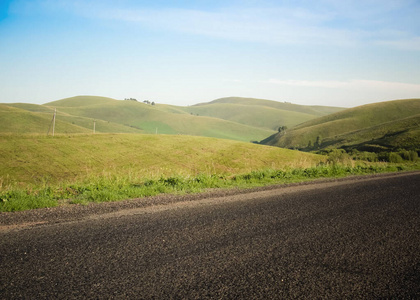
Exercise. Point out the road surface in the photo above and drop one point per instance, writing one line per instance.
(352, 238)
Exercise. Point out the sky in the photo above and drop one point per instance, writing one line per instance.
(322, 52)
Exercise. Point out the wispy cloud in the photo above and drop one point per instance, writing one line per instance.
(326, 22)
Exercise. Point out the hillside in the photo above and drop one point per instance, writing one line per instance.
(22, 118)
(19, 121)
(243, 119)
(157, 118)
(34, 159)
(382, 126)
(259, 112)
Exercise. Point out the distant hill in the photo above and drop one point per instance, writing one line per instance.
(259, 112)
(19, 121)
(375, 127)
(157, 118)
(243, 119)
(21, 118)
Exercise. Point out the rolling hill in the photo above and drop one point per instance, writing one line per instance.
(15, 120)
(243, 119)
(21, 118)
(259, 112)
(375, 127)
(34, 159)
(157, 118)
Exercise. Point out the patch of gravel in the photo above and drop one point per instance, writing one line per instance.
(74, 212)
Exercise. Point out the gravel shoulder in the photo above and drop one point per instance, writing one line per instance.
(12, 221)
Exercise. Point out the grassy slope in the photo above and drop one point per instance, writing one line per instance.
(243, 119)
(312, 110)
(18, 118)
(259, 112)
(255, 115)
(79, 101)
(18, 121)
(34, 159)
(163, 119)
(353, 126)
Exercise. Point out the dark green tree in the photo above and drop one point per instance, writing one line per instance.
(317, 142)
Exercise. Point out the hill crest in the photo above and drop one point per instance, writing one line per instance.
(370, 123)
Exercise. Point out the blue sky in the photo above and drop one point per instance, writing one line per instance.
(327, 52)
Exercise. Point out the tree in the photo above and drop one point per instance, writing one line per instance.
(282, 128)
(309, 144)
(317, 142)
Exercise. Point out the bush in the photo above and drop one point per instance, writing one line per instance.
(394, 158)
(409, 155)
(338, 156)
(366, 156)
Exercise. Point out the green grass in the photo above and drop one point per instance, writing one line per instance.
(33, 159)
(312, 110)
(81, 101)
(114, 188)
(40, 171)
(242, 119)
(21, 118)
(255, 115)
(378, 123)
(161, 118)
(18, 121)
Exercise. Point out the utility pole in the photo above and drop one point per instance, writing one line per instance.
(94, 127)
(55, 113)
(52, 122)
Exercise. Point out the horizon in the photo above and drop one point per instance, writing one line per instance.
(199, 103)
(329, 53)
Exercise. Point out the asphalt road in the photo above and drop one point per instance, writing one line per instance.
(357, 238)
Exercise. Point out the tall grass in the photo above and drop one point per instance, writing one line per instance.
(110, 187)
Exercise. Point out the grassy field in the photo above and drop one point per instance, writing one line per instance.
(40, 171)
(378, 124)
(77, 166)
(33, 159)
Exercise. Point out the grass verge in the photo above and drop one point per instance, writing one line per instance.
(116, 187)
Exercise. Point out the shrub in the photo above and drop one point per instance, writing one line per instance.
(409, 155)
(338, 156)
(395, 158)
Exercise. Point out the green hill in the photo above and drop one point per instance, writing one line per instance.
(18, 121)
(243, 119)
(33, 159)
(259, 112)
(313, 110)
(383, 126)
(20, 118)
(80, 101)
(162, 119)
